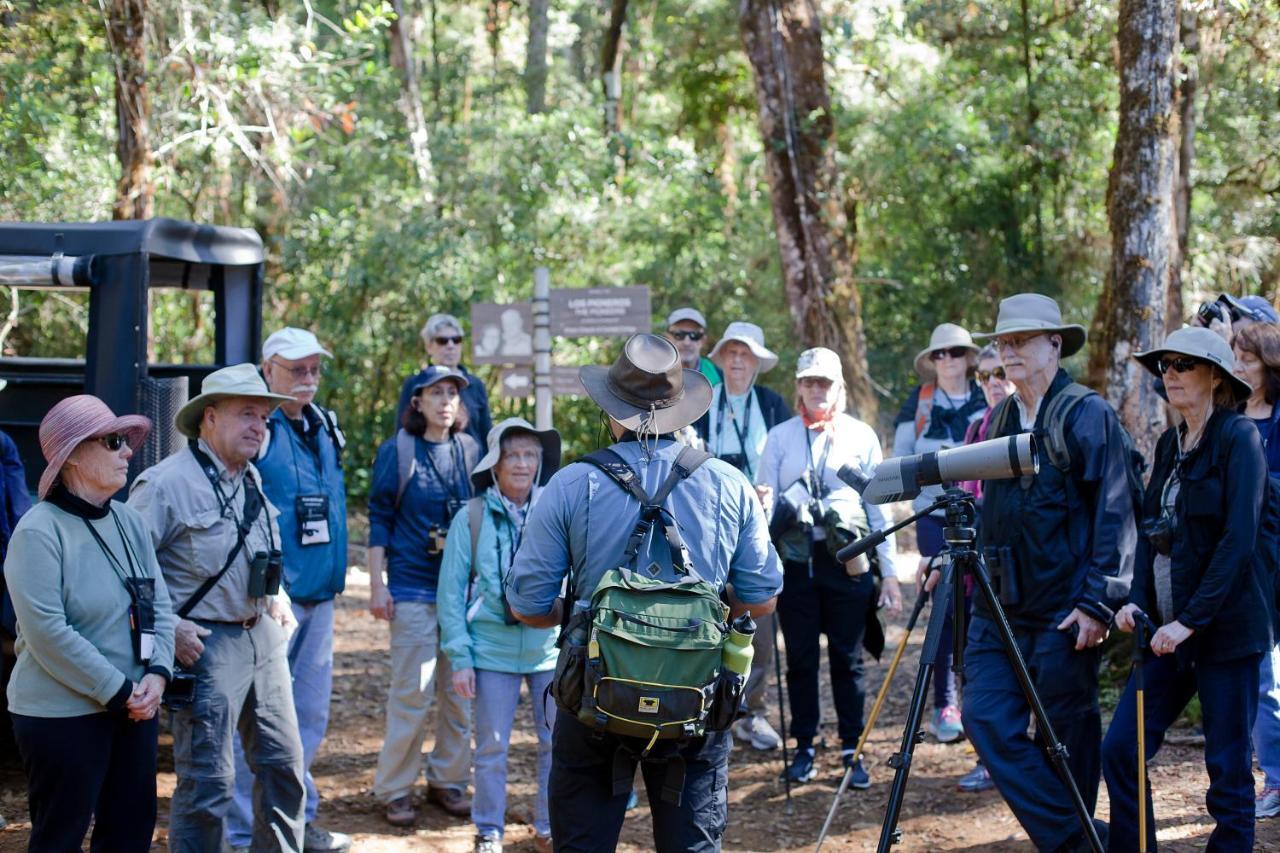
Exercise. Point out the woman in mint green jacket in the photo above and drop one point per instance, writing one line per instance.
(490, 652)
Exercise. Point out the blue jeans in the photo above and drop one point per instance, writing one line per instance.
(1228, 696)
(311, 665)
(996, 717)
(1266, 729)
(497, 694)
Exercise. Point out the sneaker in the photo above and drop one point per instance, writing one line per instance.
(755, 730)
(858, 778)
(452, 800)
(317, 840)
(801, 769)
(488, 844)
(400, 812)
(946, 725)
(977, 779)
(1268, 803)
(542, 843)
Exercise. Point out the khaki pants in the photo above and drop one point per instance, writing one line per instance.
(417, 672)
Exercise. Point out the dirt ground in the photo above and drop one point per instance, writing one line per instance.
(935, 816)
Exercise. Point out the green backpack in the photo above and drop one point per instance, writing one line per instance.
(656, 629)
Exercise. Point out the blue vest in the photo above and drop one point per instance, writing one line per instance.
(289, 469)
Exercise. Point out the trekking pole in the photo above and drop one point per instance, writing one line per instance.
(782, 711)
(875, 712)
(1141, 623)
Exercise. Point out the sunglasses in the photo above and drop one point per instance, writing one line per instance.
(445, 341)
(1183, 364)
(683, 335)
(985, 376)
(951, 352)
(113, 442)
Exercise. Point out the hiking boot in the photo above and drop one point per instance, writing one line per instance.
(801, 769)
(400, 811)
(858, 778)
(542, 843)
(488, 844)
(1268, 803)
(946, 725)
(977, 779)
(452, 800)
(755, 730)
(317, 840)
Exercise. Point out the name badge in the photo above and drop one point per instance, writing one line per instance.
(313, 519)
(142, 617)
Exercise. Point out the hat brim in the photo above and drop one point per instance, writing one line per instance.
(924, 364)
(767, 358)
(1149, 359)
(298, 353)
(461, 380)
(1073, 336)
(135, 429)
(482, 475)
(188, 418)
(692, 404)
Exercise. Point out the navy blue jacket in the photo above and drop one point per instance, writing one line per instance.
(1219, 587)
(292, 467)
(475, 397)
(1070, 535)
(14, 497)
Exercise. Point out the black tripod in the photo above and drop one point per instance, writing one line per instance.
(960, 535)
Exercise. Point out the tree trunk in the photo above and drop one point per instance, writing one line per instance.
(1190, 72)
(404, 59)
(126, 33)
(1131, 311)
(783, 40)
(535, 64)
(610, 68)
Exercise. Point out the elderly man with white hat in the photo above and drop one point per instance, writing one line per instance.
(1059, 547)
(301, 467)
(218, 546)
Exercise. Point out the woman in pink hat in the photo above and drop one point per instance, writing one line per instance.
(95, 638)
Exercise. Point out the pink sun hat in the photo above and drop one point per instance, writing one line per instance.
(78, 418)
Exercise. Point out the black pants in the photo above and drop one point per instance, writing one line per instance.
(587, 816)
(78, 768)
(832, 603)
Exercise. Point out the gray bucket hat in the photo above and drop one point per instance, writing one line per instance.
(482, 474)
(752, 336)
(1035, 312)
(945, 336)
(238, 380)
(1201, 343)
(647, 389)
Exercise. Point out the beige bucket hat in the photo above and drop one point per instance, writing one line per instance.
(1035, 312)
(945, 336)
(753, 337)
(482, 475)
(1203, 344)
(238, 380)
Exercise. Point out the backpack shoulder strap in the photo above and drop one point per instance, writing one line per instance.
(999, 418)
(1055, 420)
(924, 405)
(617, 469)
(406, 462)
(329, 418)
(475, 517)
(686, 463)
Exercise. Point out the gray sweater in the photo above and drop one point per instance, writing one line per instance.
(75, 650)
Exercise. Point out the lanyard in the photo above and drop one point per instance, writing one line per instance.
(455, 452)
(515, 544)
(742, 432)
(294, 441)
(224, 502)
(117, 567)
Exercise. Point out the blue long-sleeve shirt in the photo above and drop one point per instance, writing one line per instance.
(405, 531)
(584, 518)
(14, 497)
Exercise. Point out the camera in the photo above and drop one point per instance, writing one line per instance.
(435, 540)
(1219, 309)
(180, 692)
(1159, 532)
(265, 569)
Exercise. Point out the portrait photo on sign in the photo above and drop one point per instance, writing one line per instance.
(503, 334)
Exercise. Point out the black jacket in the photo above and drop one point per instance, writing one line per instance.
(1218, 588)
(772, 406)
(1060, 540)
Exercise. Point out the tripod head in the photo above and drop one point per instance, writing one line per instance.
(960, 520)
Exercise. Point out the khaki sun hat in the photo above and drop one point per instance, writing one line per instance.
(945, 336)
(753, 337)
(1201, 343)
(238, 380)
(482, 475)
(1035, 312)
(647, 389)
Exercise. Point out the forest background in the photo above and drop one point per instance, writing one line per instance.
(848, 173)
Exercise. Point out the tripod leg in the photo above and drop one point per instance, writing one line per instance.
(782, 710)
(911, 732)
(1139, 642)
(1056, 751)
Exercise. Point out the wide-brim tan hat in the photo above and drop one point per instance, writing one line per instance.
(482, 474)
(945, 336)
(1203, 344)
(752, 336)
(1035, 312)
(76, 419)
(238, 380)
(647, 390)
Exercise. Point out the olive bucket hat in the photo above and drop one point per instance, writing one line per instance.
(238, 380)
(1037, 313)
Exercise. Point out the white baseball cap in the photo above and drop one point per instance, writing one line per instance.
(292, 344)
(691, 314)
(820, 362)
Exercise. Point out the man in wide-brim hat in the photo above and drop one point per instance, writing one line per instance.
(215, 535)
(1060, 547)
(584, 520)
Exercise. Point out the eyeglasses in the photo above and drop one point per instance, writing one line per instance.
(445, 340)
(1183, 364)
(300, 372)
(950, 352)
(685, 335)
(113, 442)
(1015, 342)
(985, 376)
